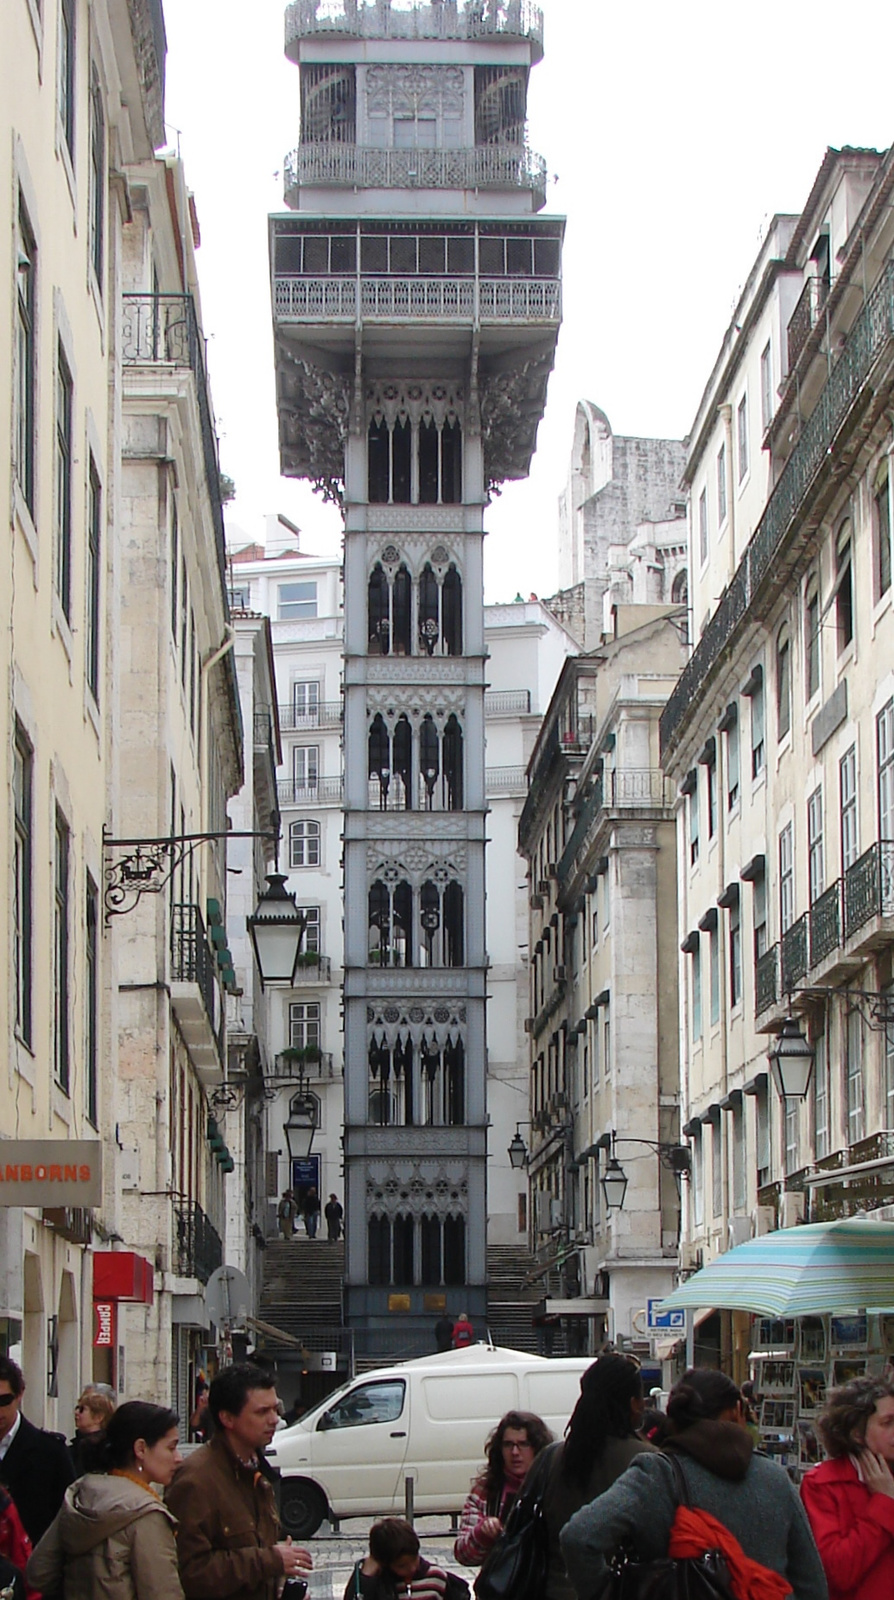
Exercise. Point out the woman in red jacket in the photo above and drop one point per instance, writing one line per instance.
(850, 1498)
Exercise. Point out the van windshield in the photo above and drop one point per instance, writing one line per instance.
(369, 1402)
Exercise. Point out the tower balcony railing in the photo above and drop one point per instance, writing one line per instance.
(410, 19)
(416, 299)
(497, 166)
(162, 330)
(805, 472)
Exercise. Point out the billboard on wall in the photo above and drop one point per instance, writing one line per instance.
(50, 1172)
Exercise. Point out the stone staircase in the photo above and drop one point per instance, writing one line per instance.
(510, 1302)
(301, 1291)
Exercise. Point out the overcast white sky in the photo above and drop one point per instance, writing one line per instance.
(674, 133)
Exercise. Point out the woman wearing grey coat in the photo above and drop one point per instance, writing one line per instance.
(752, 1496)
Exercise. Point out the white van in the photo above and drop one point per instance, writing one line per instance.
(426, 1420)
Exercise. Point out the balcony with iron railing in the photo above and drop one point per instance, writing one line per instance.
(304, 1063)
(413, 19)
(766, 980)
(312, 968)
(869, 887)
(195, 992)
(353, 166)
(325, 792)
(825, 924)
(805, 474)
(303, 719)
(162, 330)
(793, 954)
(857, 1191)
(198, 1250)
(805, 317)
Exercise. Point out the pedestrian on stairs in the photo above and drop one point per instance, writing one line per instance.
(334, 1212)
(311, 1212)
(286, 1212)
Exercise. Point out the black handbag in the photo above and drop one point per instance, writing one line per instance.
(515, 1567)
(705, 1577)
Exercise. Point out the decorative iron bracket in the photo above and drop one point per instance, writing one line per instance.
(146, 866)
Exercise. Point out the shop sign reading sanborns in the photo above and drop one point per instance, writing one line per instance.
(50, 1172)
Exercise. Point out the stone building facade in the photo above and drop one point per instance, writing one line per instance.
(778, 736)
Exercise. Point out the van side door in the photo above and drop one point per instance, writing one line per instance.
(359, 1445)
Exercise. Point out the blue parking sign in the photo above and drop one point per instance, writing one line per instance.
(664, 1321)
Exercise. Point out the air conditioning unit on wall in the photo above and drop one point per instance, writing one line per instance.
(738, 1230)
(763, 1220)
(791, 1209)
(691, 1258)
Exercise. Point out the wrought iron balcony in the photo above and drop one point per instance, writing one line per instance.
(403, 299)
(312, 968)
(766, 980)
(864, 1191)
(197, 1245)
(639, 786)
(302, 719)
(443, 19)
(325, 792)
(869, 887)
(825, 923)
(806, 468)
(162, 330)
(296, 1064)
(793, 954)
(350, 166)
(805, 317)
(193, 962)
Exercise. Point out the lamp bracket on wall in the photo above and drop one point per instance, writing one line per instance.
(134, 867)
(876, 1008)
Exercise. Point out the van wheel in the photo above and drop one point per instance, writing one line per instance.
(302, 1507)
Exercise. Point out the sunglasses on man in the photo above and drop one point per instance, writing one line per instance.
(7, 1399)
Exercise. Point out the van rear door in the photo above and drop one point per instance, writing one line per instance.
(359, 1444)
(454, 1416)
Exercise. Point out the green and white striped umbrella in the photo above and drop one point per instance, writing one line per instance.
(795, 1272)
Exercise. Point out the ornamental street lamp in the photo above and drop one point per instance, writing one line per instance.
(301, 1125)
(791, 1061)
(277, 932)
(614, 1185)
(518, 1150)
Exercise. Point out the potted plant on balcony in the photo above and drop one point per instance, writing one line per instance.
(309, 958)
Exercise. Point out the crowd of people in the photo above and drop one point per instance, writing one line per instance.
(118, 1513)
(307, 1205)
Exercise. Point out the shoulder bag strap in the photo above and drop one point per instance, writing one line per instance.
(681, 1488)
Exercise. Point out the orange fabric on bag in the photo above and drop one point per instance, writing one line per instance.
(694, 1532)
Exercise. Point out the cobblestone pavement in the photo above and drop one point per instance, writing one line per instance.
(335, 1553)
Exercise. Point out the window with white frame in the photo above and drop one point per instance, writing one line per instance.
(756, 696)
(790, 1134)
(698, 1178)
(786, 878)
(816, 861)
(783, 684)
(844, 586)
(63, 495)
(711, 777)
(693, 825)
(762, 1149)
(697, 992)
(847, 801)
(740, 1181)
(735, 954)
(884, 737)
(732, 764)
(821, 1138)
(714, 951)
(304, 844)
(716, 1166)
(305, 765)
(703, 526)
(305, 700)
(721, 485)
(23, 884)
(742, 436)
(766, 387)
(853, 1075)
(311, 942)
(811, 641)
(304, 1024)
(881, 534)
(25, 357)
(296, 600)
(759, 912)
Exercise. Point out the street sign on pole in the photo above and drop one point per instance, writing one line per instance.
(664, 1321)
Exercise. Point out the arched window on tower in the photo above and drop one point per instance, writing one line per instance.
(391, 1085)
(680, 588)
(390, 924)
(414, 465)
(403, 1270)
(441, 941)
(430, 1231)
(453, 765)
(429, 761)
(454, 1250)
(379, 1252)
(455, 1083)
(440, 612)
(388, 612)
(390, 764)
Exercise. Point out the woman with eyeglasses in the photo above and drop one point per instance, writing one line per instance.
(93, 1413)
(114, 1536)
(511, 1448)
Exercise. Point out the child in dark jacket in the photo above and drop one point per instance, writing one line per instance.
(394, 1569)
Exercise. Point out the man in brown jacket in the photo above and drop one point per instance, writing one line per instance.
(228, 1535)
